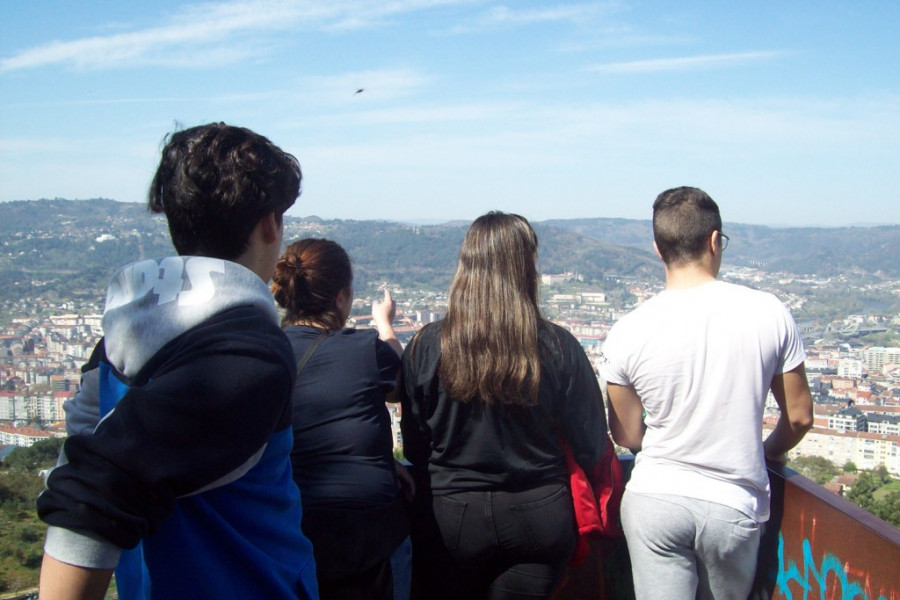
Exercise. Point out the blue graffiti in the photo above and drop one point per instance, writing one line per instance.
(831, 564)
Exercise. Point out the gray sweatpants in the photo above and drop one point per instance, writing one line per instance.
(683, 548)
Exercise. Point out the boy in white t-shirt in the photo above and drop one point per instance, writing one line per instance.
(699, 360)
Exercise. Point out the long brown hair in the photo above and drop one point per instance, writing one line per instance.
(489, 339)
(307, 280)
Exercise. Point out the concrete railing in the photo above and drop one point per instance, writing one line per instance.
(816, 546)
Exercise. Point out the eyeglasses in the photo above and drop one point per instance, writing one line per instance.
(723, 239)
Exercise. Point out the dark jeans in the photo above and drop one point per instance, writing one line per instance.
(353, 549)
(493, 545)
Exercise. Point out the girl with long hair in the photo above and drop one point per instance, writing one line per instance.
(486, 393)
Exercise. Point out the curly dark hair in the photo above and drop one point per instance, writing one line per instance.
(214, 183)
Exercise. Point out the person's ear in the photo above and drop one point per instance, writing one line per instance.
(269, 228)
(656, 249)
(715, 243)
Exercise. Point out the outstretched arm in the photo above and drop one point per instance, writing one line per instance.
(792, 394)
(626, 416)
(62, 581)
(383, 312)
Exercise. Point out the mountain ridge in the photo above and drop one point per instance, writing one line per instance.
(68, 248)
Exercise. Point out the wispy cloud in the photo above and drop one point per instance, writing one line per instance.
(685, 63)
(563, 12)
(213, 33)
(503, 16)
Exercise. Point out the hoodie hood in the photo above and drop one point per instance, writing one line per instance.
(151, 302)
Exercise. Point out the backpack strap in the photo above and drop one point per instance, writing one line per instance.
(309, 351)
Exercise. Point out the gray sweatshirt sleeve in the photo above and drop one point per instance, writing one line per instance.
(81, 549)
(83, 411)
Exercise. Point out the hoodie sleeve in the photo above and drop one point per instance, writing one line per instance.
(211, 400)
(83, 411)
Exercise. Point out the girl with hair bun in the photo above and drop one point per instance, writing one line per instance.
(353, 508)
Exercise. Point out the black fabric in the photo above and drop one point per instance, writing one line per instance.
(455, 446)
(376, 583)
(343, 460)
(310, 351)
(343, 452)
(159, 442)
(351, 545)
(497, 545)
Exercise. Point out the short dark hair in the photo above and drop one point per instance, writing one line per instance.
(683, 220)
(215, 182)
(307, 280)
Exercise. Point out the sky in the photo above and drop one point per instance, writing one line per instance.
(786, 113)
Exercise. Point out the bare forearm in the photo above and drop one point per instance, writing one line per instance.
(386, 334)
(783, 438)
(627, 437)
(625, 416)
(792, 394)
(62, 581)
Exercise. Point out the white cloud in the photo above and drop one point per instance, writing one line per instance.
(502, 15)
(685, 63)
(213, 33)
(575, 13)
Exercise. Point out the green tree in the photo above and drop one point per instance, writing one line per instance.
(819, 469)
(863, 492)
(888, 509)
(21, 532)
(849, 467)
(41, 455)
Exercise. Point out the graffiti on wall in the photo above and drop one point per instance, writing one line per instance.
(826, 580)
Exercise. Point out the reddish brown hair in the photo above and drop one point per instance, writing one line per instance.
(308, 278)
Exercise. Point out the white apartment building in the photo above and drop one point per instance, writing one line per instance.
(850, 367)
(21, 436)
(865, 450)
(884, 424)
(48, 408)
(877, 357)
(13, 406)
(847, 419)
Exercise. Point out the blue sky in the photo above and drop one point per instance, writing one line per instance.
(787, 113)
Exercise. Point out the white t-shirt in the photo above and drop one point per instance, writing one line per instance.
(702, 361)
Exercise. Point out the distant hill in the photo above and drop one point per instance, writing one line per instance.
(427, 255)
(815, 251)
(64, 249)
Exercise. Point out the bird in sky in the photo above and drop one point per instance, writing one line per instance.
(359, 91)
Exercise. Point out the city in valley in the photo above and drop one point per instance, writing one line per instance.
(856, 383)
(849, 314)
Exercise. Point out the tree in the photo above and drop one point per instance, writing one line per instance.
(863, 492)
(849, 467)
(888, 509)
(40, 455)
(819, 469)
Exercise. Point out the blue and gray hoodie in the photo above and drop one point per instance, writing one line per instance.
(180, 441)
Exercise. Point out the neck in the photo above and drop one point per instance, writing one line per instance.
(688, 275)
(309, 323)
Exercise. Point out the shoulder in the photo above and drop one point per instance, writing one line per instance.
(423, 349)
(559, 348)
(240, 331)
(427, 336)
(759, 299)
(353, 342)
(551, 333)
